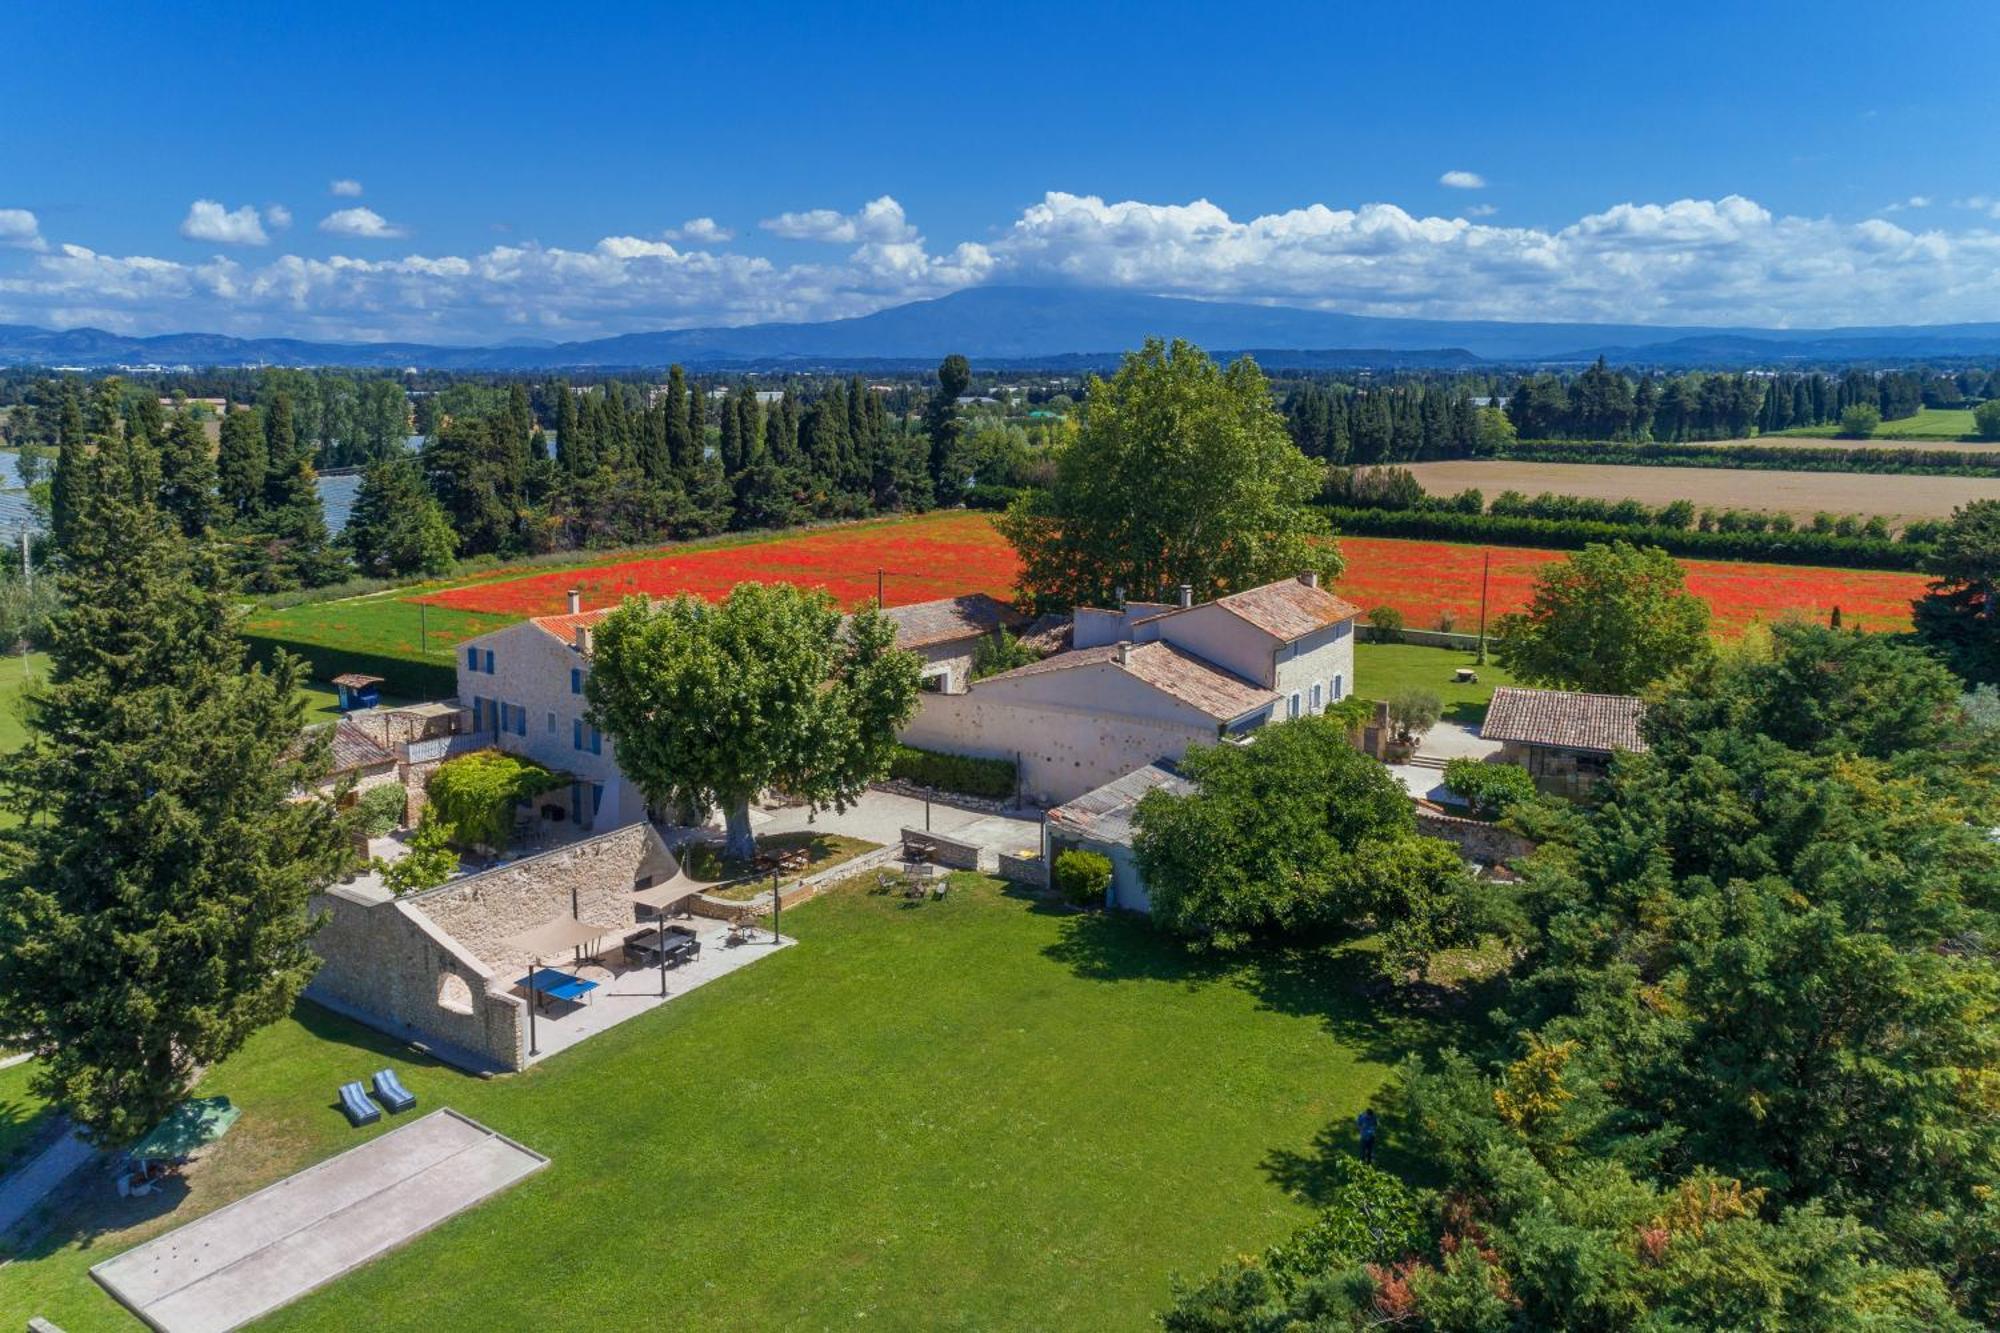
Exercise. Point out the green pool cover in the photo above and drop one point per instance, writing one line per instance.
(194, 1122)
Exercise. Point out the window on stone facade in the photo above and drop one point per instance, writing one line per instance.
(1292, 706)
(1338, 694)
(1318, 701)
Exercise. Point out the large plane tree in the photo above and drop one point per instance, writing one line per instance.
(711, 703)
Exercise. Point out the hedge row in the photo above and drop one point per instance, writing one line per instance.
(1761, 457)
(1784, 548)
(989, 778)
(401, 677)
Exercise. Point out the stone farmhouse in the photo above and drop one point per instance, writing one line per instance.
(522, 691)
(1564, 739)
(946, 634)
(1144, 681)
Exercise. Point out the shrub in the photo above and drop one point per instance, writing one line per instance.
(992, 779)
(1413, 712)
(430, 860)
(476, 794)
(1388, 623)
(1986, 419)
(1492, 789)
(380, 809)
(1000, 651)
(1082, 877)
(1860, 421)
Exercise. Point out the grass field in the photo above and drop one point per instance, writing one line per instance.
(974, 1113)
(1800, 494)
(1381, 669)
(21, 1112)
(1932, 423)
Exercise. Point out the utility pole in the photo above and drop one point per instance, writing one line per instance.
(878, 590)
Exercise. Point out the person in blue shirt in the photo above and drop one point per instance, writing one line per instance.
(1365, 1122)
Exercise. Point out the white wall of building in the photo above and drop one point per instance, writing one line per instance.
(1324, 659)
(1063, 752)
(531, 672)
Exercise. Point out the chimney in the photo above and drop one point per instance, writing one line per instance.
(583, 639)
(1186, 596)
(1310, 578)
(575, 600)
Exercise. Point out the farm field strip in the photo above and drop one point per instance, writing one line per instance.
(1800, 494)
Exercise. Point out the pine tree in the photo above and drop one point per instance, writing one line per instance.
(241, 465)
(281, 451)
(76, 464)
(153, 910)
(188, 477)
(398, 526)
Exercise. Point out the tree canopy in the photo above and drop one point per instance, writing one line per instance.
(153, 902)
(711, 703)
(1181, 472)
(1609, 620)
(1960, 615)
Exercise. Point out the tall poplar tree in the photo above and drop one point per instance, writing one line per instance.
(153, 907)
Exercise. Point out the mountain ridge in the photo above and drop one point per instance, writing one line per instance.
(1041, 325)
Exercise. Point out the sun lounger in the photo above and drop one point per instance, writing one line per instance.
(389, 1090)
(354, 1101)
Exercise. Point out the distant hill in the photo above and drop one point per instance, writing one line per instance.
(1043, 326)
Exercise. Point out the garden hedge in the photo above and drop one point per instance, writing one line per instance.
(1785, 548)
(1765, 457)
(992, 779)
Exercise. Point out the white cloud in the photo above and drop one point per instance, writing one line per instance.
(19, 229)
(1914, 201)
(278, 217)
(880, 222)
(701, 231)
(209, 221)
(1482, 210)
(1727, 261)
(1462, 180)
(344, 188)
(364, 223)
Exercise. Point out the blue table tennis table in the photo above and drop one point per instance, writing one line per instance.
(549, 984)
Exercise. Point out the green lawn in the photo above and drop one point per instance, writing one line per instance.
(21, 1112)
(971, 1113)
(1932, 423)
(382, 624)
(1380, 669)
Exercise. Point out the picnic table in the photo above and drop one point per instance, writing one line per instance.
(1465, 676)
(674, 945)
(547, 983)
(793, 859)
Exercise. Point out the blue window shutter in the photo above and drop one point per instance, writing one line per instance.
(576, 733)
(472, 659)
(596, 741)
(489, 661)
(576, 680)
(596, 797)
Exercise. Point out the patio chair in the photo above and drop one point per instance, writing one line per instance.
(390, 1091)
(354, 1101)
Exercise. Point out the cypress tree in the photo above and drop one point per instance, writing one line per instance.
(749, 425)
(153, 908)
(187, 476)
(941, 422)
(76, 462)
(731, 448)
(697, 427)
(242, 463)
(679, 445)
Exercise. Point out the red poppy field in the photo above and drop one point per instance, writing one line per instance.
(921, 559)
(943, 555)
(1426, 580)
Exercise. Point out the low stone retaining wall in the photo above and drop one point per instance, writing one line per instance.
(953, 852)
(1479, 840)
(956, 800)
(1030, 870)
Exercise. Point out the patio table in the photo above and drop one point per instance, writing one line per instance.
(547, 984)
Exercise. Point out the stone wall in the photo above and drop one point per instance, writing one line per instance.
(1029, 870)
(1489, 844)
(1062, 753)
(596, 876)
(390, 967)
(953, 853)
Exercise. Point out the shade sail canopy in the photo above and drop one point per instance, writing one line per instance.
(666, 895)
(188, 1126)
(557, 934)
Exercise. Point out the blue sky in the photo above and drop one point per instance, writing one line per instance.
(540, 171)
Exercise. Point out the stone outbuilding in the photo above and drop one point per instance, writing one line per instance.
(1563, 738)
(1101, 821)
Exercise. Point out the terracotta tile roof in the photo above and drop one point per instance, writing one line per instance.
(921, 624)
(1564, 719)
(1285, 610)
(355, 749)
(1106, 813)
(1174, 672)
(564, 627)
(1288, 610)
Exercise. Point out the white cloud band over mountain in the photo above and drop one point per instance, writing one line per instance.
(1702, 261)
